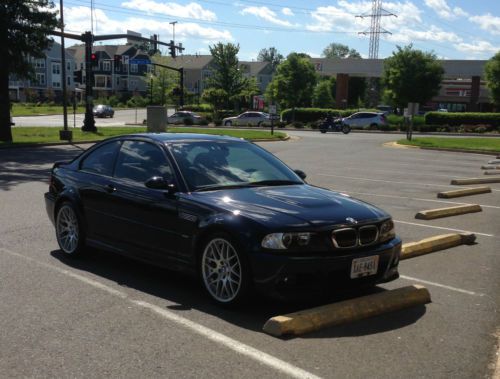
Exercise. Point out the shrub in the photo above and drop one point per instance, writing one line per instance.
(197, 108)
(465, 118)
(315, 114)
(298, 125)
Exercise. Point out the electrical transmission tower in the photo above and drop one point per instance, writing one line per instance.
(375, 29)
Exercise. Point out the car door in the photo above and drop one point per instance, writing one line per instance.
(95, 186)
(242, 119)
(147, 218)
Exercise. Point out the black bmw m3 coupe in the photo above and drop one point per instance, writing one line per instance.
(223, 209)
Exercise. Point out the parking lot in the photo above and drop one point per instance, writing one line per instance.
(109, 316)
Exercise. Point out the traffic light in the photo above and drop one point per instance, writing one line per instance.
(172, 49)
(93, 59)
(118, 61)
(77, 76)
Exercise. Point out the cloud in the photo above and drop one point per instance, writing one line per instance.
(487, 22)
(475, 48)
(191, 10)
(443, 10)
(432, 34)
(287, 12)
(77, 19)
(266, 14)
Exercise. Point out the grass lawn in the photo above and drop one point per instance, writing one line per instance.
(35, 135)
(477, 144)
(32, 110)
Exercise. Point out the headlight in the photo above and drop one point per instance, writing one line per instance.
(387, 231)
(282, 241)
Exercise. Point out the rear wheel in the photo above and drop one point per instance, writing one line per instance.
(373, 126)
(69, 231)
(228, 123)
(346, 129)
(223, 270)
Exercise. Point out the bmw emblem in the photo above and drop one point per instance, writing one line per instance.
(350, 220)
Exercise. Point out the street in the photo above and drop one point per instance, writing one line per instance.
(107, 316)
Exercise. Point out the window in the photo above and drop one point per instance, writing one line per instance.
(68, 80)
(106, 66)
(56, 84)
(117, 80)
(101, 160)
(56, 68)
(40, 63)
(81, 66)
(133, 67)
(68, 66)
(133, 83)
(40, 79)
(139, 161)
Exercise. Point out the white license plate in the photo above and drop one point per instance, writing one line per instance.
(364, 266)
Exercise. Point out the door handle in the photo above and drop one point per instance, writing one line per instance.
(110, 188)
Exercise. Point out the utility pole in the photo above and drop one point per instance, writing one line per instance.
(375, 29)
(64, 134)
(88, 122)
(173, 27)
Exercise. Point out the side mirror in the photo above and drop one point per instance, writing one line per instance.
(159, 183)
(302, 175)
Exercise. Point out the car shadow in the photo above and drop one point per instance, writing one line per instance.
(187, 294)
(31, 164)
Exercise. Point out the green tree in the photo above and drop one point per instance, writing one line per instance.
(293, 84)
(247, 93)
(24, 30)
(411, 76)
(338, 50)
(492, 75)
(322, 95)
(272, 56)
(226, 74)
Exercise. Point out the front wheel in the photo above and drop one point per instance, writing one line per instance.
(69, 230)
(346, 129)
(323, 131)
(224, 271)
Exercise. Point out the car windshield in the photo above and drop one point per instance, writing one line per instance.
(212, 165)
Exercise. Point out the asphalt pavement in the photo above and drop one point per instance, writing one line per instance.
(109, 316)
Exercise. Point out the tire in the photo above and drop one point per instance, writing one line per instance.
(224, 271)
(70, 233)
(373, 126)
(323, 131)
(346, 129)
(259, 124)
(228, 123)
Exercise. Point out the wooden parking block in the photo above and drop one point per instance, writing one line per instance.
(463, 192)
(447, 212)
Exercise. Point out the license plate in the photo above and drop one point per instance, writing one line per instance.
(364, 266)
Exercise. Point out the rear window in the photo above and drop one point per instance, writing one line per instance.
(102, 159)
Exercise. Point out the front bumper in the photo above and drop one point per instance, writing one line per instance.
(50, 201)
(291, 275)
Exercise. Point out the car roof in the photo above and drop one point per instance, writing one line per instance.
(175, 137)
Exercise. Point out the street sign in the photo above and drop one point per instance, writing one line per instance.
(272, 109)
(125, 59)
(140, 61)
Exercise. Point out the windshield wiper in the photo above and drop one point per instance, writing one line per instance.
(274, 182)
(214, 187)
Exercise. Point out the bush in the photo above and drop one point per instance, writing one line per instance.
(298, 125)
(465, 118)
(197, 108)
(315, 114)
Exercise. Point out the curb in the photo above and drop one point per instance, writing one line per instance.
(436, 243)
(431, 214)
(347, 311)
(459, 182)
(395, 144)
(463, 192)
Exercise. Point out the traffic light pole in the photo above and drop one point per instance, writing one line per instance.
(89, 121)
(181, 79)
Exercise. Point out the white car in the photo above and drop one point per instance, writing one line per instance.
(248, 118)
(179, 117)
(365, 120)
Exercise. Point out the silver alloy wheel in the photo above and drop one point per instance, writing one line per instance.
(221, 270)
(67, 229)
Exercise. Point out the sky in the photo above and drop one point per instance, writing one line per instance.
(452, 29)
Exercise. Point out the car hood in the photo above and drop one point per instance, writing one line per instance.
(291, 205)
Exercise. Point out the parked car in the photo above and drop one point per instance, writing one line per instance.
(365, 120)
(248, 118)
(180, 117)
(223, 209)
(385, 109)
(103, 111)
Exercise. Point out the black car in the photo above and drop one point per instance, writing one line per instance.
(103, 111)
(221, 208)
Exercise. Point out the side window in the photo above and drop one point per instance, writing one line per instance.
(139, 161)
(101, 160)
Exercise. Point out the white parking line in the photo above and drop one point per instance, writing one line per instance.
(241, 348)
(396, 182)
(442, 286)
(412, 198)
(443, 228)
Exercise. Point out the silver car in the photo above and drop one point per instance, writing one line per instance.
(181, 116)
(365, 120)
(248, 118)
